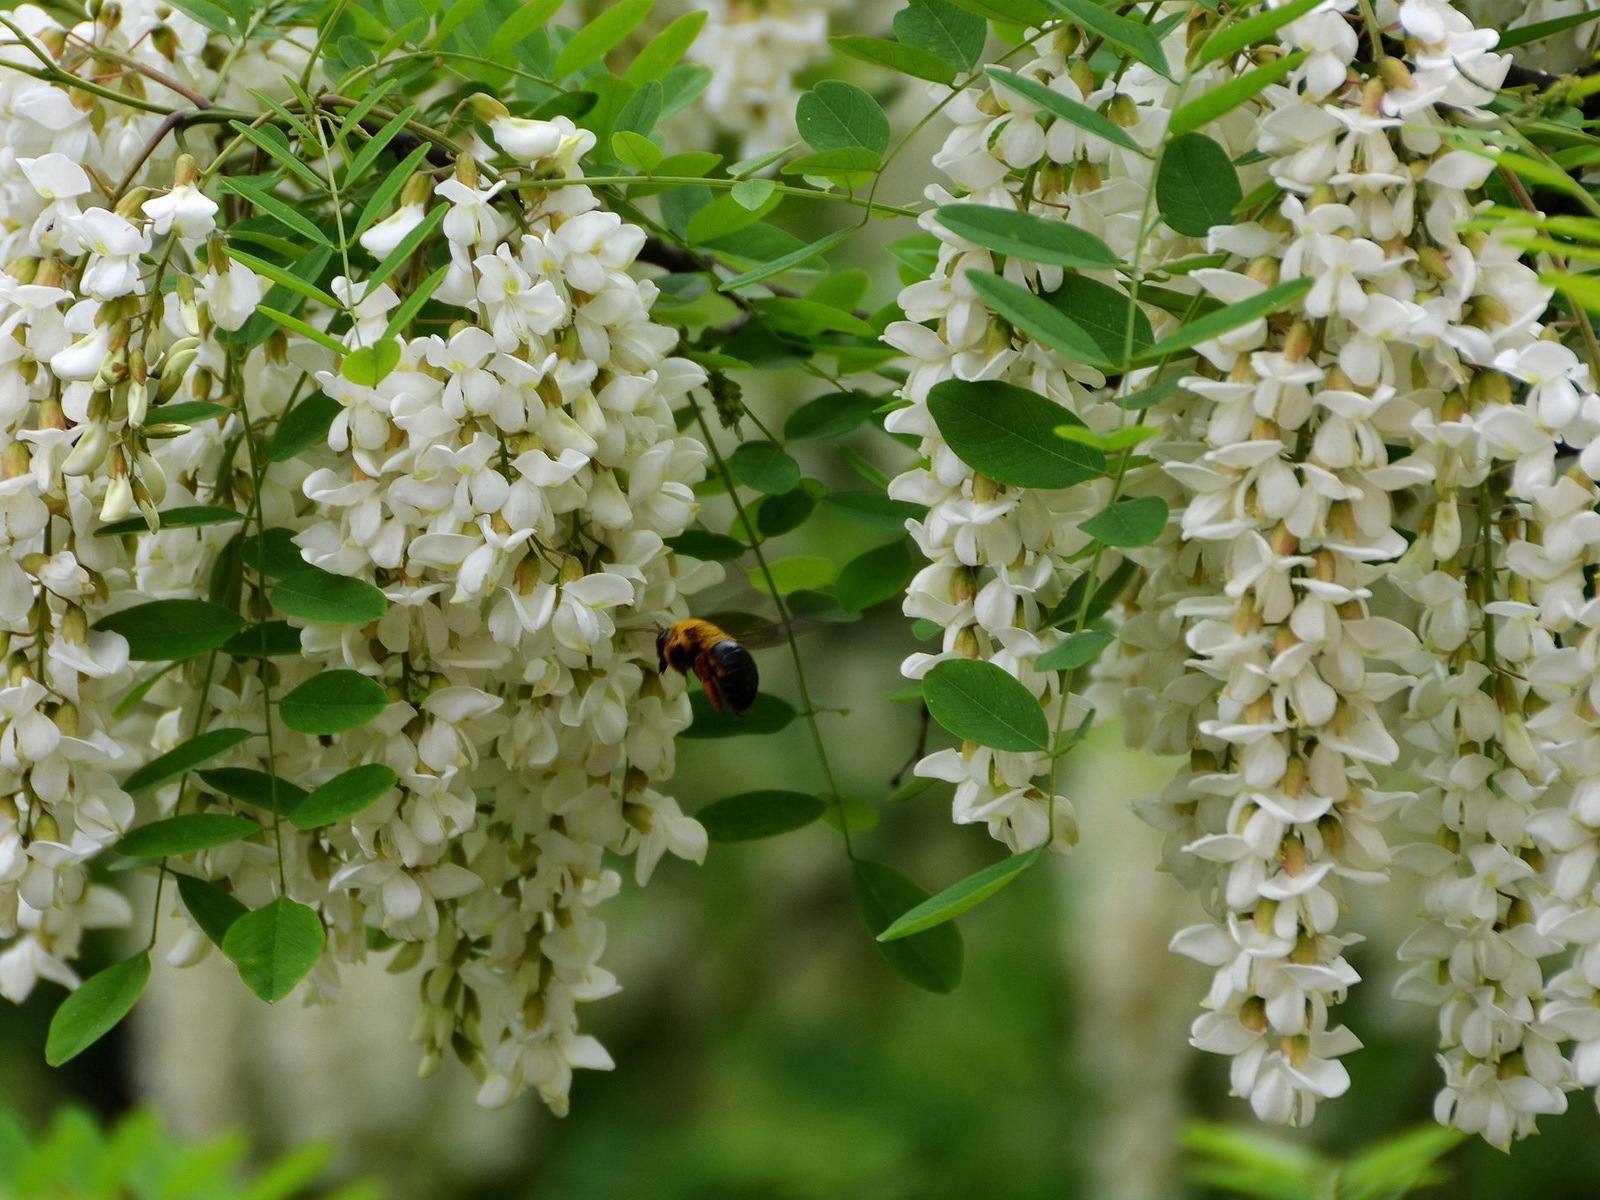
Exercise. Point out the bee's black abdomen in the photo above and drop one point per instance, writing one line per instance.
(737, 678)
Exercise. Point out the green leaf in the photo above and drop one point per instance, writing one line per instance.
(332, 702)
(642, 110)
(94, 1009)
(1108, 314)
(931, 960)
(1023, 14)
(304, 328)
(850, 166)
(850, 813)
(959, 897)
(371, 365)
(1153, 395)
(1222, 100)
(751, 194)
(267, 639)
(875, 509)
(1135, 37)
(412, 304)
(636, 151)
(1038, 318)
(1070, 111)
(1196, 185)
(768, 714)
(596, 39)
(255, 787)
(171, 629)
(181, 759)
(794, 575)
(830, 416)
(1099, 602)
(957, 37)
(272, 553)
(267, 203)
(213, 909)
(805, 318)
(778, 515)
(764, 466)
(752, 815)
(1539, 30)
(725, 215)
(837, 116)
(524, 20)
(189, 517)
(377, 143)
(907, 60)
(275, 947)
(1027, 237)
(188, 833)
(1079, 650)
(189, 412)
(1008, 434)
(1214, 324)
(664, 50)
(1128, 523)
(303, 426)
(875, 576)
(706, 546)
(212, 16)
(1230, 39)
(275, 144)
(786, 262)
(312, 594)
(343, 796)
(979, 702)
(1114, 442)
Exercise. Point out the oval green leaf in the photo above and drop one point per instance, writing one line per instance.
(838, 116)
(979, 702)
(706, 546)
(803, 574)
(752, 815)
(213, 909)
(303, 426)
(1070, 111)
(345, 795)
(764, 466)
(768, 714)
(94, 1009)
(1027, 236)
(312, 594)
(931, 960)
(959, 897)
(1008, 434)
(187, 833)
(1128, 523)
(908, 60)
(1079, 650)
(182, 759)
(275, 947)
(255, 787)
(269, 639)
(1197, 185)
(163, 630)
(332, 702)
(1038, 318)
(876, 576)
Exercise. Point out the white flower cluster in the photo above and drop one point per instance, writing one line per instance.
(754, 49)
(508, 484)
(1373, 600)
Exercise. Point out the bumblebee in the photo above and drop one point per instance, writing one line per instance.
(724, 667)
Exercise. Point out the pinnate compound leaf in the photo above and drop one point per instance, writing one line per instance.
(343, 796)
(332, 702)
(181, 759)
(959, 897)
(187, 833)
(163, 630)
(1008, 434)
(979, 702)
(94, 1009)
(932, 960)
(1128, 523)
(752, 815)
(213, 909)
(275, 947)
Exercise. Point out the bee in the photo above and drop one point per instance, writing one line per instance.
(724, 667)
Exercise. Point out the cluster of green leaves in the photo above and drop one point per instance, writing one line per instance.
(1249, 1163)
(137, 1160)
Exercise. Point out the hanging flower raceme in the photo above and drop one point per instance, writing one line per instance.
(399, 534)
